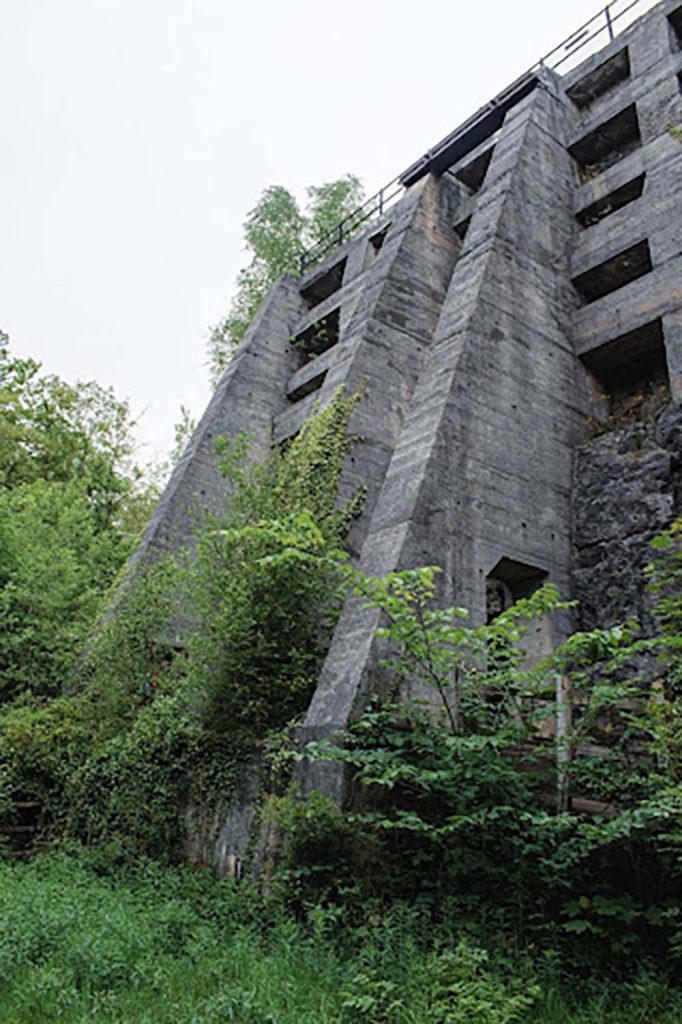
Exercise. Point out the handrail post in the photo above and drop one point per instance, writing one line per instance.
(609, 23)
(381, 202)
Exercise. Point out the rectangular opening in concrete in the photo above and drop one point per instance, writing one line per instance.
(307, 388)
(473, 174)
(601, 80)
(320, 336)
(605, 145)
(631, 369)
(608, 204)
(679, 81)
(462, 228)
(509, 582)
(323, 284)
(614, 273)
(675, 22)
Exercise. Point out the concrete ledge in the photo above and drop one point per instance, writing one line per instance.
(649, 297)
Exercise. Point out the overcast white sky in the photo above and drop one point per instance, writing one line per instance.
(136, 135)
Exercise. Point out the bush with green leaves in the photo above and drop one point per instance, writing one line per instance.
(454, 802)
(147, 726)
(106, 759)
(267, 580)
(469, 992)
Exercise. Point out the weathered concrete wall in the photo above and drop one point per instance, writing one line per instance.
(393, 299)
(495, 316)
(482, 470)
(220, 834)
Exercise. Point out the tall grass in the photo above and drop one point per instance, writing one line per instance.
(82, 942)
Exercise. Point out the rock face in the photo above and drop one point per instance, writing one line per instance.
(628, 485)
(516, 321)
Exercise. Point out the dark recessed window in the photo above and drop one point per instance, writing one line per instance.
(323, 284)
(509, 582)
(307, 387)
(675, 22)
(462, 228)
(614, 273)
(608, 204)
(473, 174)
(605, 77)
(320, 336)
(377, 240)
(606, 145)
(631, 368)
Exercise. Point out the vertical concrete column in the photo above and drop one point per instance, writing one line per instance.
(483, 466)
(653, 67)
(386, 327)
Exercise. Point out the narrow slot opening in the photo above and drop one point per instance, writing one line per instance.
(286, 442)
(376, 241)
(600, 81)
(473, 174)
(307, 388)
(320, 336)
(462, 228)
(632, 371)
(675, 22)
(324, 284)
(606, 145)
(608, 204)
(614, 273)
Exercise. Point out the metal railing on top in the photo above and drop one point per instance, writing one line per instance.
(372, 207)
(607, 22)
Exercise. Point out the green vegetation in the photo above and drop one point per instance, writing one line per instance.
(81, 941)
(455, 803)
(275, 232)
(460, 886)
(145, 726)
(267, 584)
(72, 502)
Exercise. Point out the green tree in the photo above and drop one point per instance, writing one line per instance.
(182, 433)
(329, 204)
(72, 502)
(275, 232)
(52, 430)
